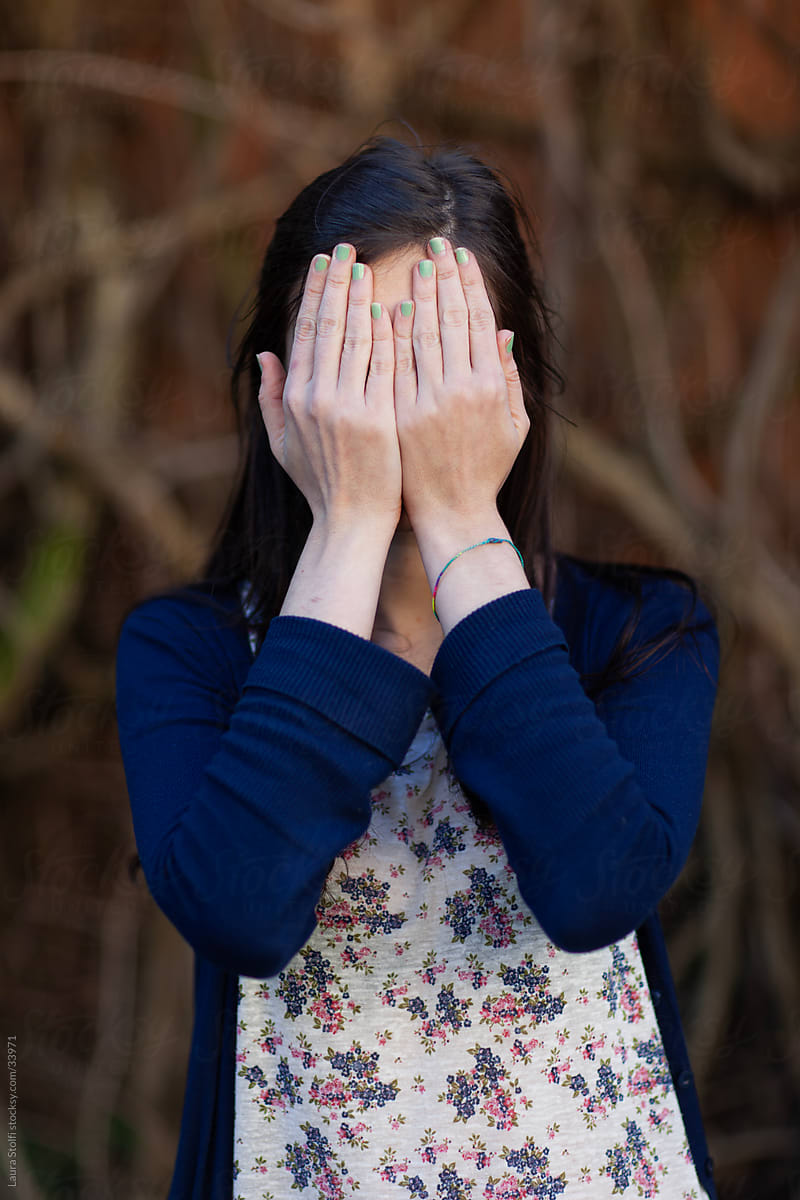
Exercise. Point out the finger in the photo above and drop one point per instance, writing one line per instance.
(332, 315)
(301, 357)
(482, 322)
(379, 391)
(357, 344)
(405, 370)
(270, 400)
(425, 332)
(453, 312)
(516, 400)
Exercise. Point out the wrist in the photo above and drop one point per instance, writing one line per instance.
(343, 531)
(442, 535)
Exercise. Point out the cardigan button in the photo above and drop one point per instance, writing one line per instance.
(656, 996)
(709, 1166)
(685, 1078)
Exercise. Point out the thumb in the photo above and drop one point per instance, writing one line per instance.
(270, 399)
(516, 400)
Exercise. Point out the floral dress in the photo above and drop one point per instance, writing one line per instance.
(429, 1041)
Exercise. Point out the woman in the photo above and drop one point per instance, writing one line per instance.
(417, 845)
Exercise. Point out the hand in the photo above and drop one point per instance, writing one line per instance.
(330, 427)
(461, 418)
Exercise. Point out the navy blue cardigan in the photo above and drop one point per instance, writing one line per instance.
(248, 776)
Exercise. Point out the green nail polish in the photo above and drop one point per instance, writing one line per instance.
(509, 344)
(406, 308)
(342, 252)
(437, 245)
(426, 268)
(358, 270)
(375, 309)
(320, 262)
(461, 256)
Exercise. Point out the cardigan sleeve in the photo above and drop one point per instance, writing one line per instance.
(240, 803)
(597, 804)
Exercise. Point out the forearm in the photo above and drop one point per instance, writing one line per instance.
(338, 575)
(483, 574)
(597, 802)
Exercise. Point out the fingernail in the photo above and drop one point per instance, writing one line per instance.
(437, 245)
(375, 309)
(461, 256)
(406, 308)
(320, 262)
(426, 268)
(509, 344)
(358, 270)
(342, 252)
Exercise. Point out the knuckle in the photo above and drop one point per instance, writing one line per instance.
(317, 401)
(381, 366)
(353, 343)
(454, 317)
(292, 397)
(328, 326)
(481, 319)
(403, 364)
(428, 338)
(306, 328)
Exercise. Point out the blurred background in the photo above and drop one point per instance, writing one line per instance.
(145, 151)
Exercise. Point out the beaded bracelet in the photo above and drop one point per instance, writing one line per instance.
(486, 542)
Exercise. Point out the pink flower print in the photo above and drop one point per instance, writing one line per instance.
(390, 994)
(557, 1068)
(591, 1047)
(640, 1081)
(481, 1157)
(391, 1170)
(507, 1188)
(645, 1178)
(327, 1011)
(496, 928)
(478, 979)
(522, 1050)
(328, 1185)
(631, 1003)
(302, 1051)
(657, 1119)
(242, 1055)
(331, 1094)
(429, 972)
(501, 1107)
(336, 915)
(505, 1009)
